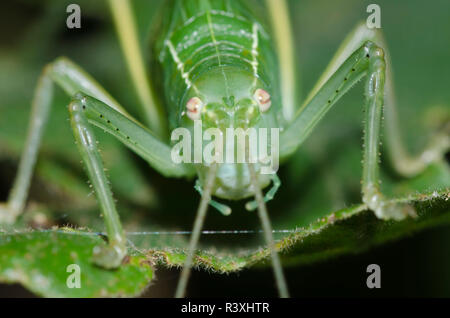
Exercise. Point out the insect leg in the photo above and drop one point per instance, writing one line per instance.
(72, 79)
(253, 205)
(85, 112)
(39, 115)
(264, 217)
(222, 208)
(374, 92)
(369, 61)
(134, 136)
(401, 160)
(113, 119)
(110, 255)
(126, 29)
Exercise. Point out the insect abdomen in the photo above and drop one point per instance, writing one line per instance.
(198, 36)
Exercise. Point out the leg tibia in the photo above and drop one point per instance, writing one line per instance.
(111, 255)
(39, 115)
(374, 106)
(374, 92)
(253, 205)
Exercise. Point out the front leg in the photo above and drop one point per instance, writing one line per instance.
(72, 79)
(102, 111)
(401, 160)
(368, 61)
(86, 112)
(374, 92)
(111, 255)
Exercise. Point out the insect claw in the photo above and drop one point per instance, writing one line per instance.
(109, 256)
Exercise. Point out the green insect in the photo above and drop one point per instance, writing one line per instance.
(228, 64)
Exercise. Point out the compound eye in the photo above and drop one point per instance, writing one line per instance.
(194, 107)
(263, 100)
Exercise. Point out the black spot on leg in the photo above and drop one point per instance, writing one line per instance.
(353, 70)
(101, 116)
(345, 79)
(367, 55)
(108, 121)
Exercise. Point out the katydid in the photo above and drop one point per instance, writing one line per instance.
(221, 63)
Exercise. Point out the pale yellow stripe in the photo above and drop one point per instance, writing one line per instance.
(279, 15)
(129, 42)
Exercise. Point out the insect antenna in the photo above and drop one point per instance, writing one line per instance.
(198, 225)
(267, 229)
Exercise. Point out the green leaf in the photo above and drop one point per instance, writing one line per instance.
(39, 261)
(349, 230)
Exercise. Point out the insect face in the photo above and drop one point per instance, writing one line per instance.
(232, 102)
(227, 98)
(244, 114)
